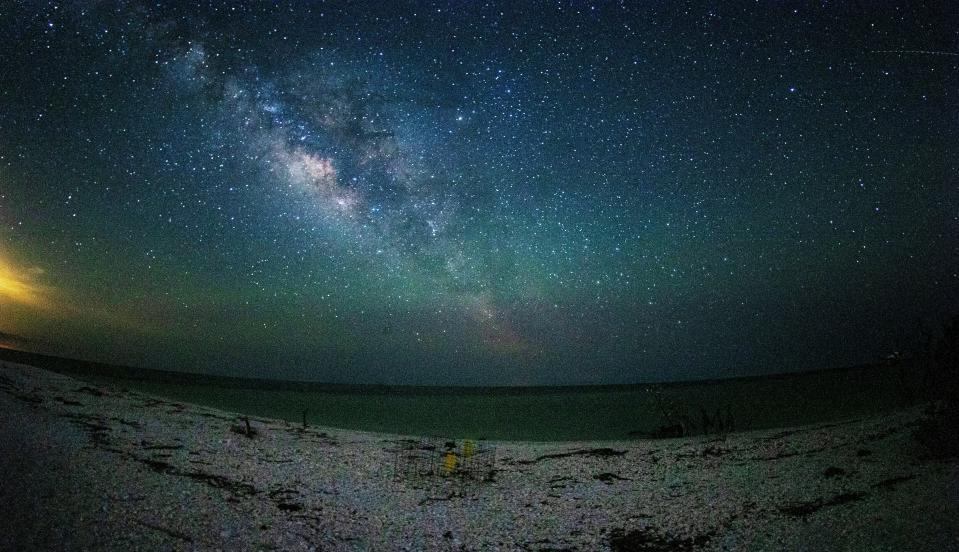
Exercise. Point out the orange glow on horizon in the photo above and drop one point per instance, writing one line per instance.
(15, 286)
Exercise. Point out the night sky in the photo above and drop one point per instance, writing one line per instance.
(471, 193)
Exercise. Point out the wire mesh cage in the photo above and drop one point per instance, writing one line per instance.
(464, 460)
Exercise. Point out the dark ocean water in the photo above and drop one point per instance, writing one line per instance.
(534, 414)
(562, 414)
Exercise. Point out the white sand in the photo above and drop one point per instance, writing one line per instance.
(97, 468)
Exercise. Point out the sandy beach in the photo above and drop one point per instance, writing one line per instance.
(90, 467)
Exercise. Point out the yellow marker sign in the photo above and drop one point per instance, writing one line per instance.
(449, 462)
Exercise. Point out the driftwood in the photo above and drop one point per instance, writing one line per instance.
(246, 429)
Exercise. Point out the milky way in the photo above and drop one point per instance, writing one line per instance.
(459, 193)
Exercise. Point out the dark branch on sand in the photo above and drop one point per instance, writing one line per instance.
(893, 482)
(803, 509)
(147, 446)
(651, 540)
(598, 452)
(608, 478)
(237, 488)
(166, 530)
(429, 499)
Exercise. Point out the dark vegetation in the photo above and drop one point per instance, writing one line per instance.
(939, 388)
(675, 420)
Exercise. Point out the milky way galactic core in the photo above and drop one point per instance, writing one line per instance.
(465, 193)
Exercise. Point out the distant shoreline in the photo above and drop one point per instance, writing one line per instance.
(81, 367)
(609, 412)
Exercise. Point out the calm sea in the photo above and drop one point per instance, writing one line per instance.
(558, 414)
(529, 414)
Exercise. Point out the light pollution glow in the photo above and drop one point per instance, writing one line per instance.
(16, 286)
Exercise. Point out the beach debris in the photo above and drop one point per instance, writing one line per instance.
(833, 471)
(651, 540)
(446, 498)
(92, 391)
(96, 427)
(147, 445)
(893, 482)
(608, 478)
(67, 402)
(171, 532)
(546, 545)
(30, 398)
(560, 482)
(712, 449)
(237, 489)
(246, 429)
(603, 452)
(804, 509)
